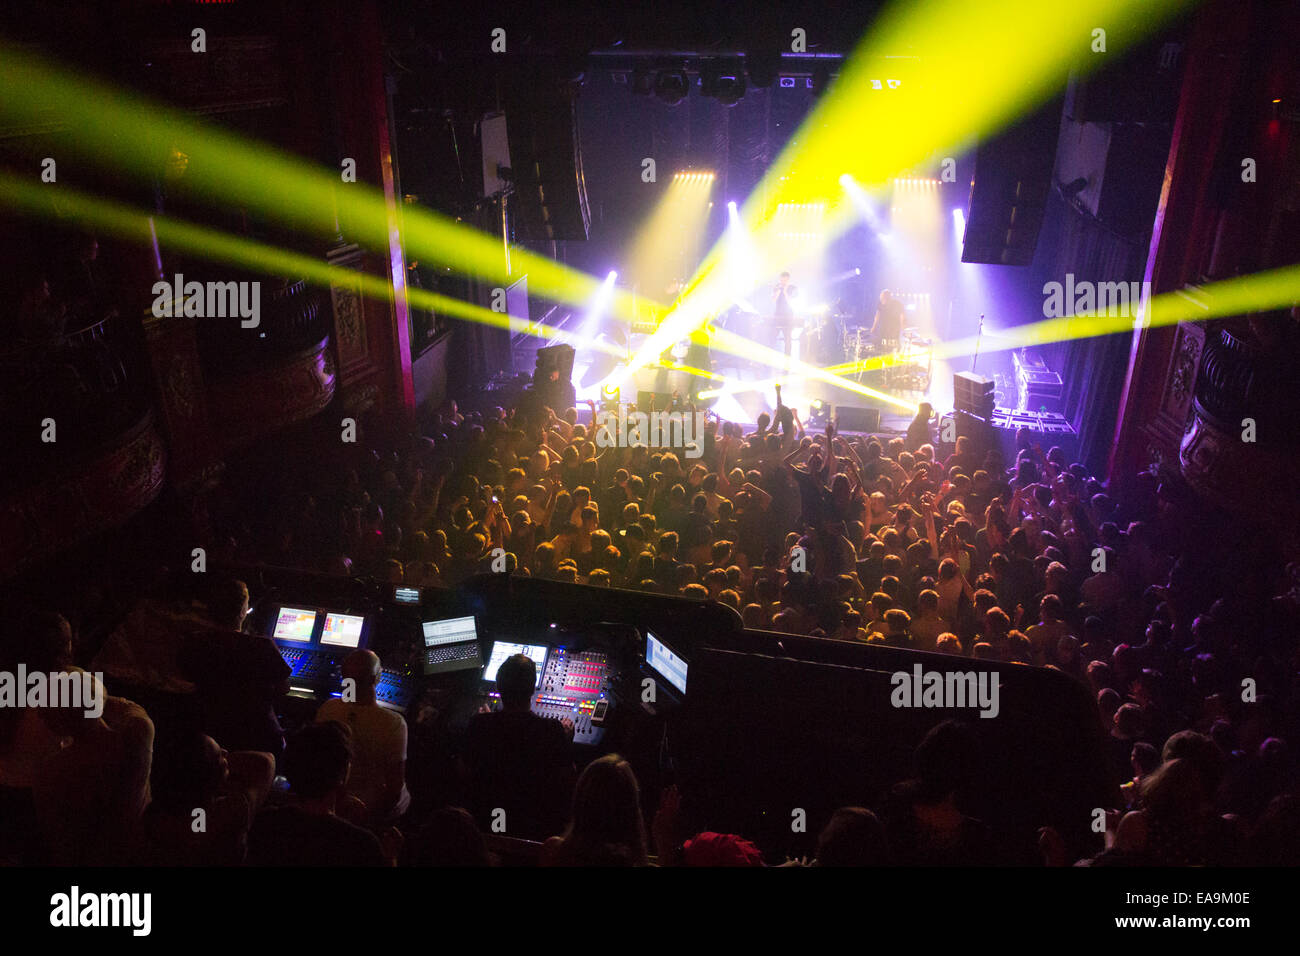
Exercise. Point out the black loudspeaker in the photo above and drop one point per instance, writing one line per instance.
(1013, 175)
(554, 364)
(1141, 86)
(852, 418)
(550, 196)
(973, 393)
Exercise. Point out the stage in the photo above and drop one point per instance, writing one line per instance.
(739, 389)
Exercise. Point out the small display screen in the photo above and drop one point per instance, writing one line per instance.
(453, 630)
(342, 630)
(664, 662)
(406, 595)
(295, 624)
(502, 649)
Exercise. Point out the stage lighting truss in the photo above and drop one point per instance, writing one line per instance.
(697, 176)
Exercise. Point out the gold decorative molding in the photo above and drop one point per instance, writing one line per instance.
(268, 399)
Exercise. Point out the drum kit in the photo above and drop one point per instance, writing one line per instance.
(833, 337)
(908, 363)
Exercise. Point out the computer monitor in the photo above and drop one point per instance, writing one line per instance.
(342, 630)
(503, 649)
(663, 660)
(451, 630)
(403, 595)
(295, 624)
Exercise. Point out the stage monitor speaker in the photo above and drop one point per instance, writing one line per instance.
(851, 418)
(549, 201)
(1013, 174)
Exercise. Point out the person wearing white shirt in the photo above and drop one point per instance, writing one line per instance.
(378, 777)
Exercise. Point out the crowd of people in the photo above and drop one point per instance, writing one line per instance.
(1030, 560)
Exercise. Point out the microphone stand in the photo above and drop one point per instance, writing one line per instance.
(979, 335)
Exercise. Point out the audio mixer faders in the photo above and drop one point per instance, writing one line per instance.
(575, 686)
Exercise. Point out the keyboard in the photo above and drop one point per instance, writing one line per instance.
(451, 657)
(451, 652)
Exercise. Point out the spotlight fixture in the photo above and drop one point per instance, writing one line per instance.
(819, 414)
(726, 83)
(671, 86)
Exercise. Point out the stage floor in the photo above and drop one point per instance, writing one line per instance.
(747, 387)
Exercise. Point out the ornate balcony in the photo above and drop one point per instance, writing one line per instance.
(83, 453)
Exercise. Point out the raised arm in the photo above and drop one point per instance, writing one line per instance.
(932, 533)
(652, 489)
(851, 454)
(828, 453)
(764, 499)
(550, 502)
(500, 525)
(790, 459)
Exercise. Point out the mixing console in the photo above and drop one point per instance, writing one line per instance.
(307, 665)
(396, 689)
(575, 685)
(572, 685)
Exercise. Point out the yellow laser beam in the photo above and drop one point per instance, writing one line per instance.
(127, 132)
(983, 64)
(129, 223)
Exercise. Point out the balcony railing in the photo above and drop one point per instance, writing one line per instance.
(89, 382)
(292, 318)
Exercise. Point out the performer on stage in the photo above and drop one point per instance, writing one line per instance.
(887, 327)
(782, 312)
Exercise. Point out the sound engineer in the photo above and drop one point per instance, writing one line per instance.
(518, 762)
